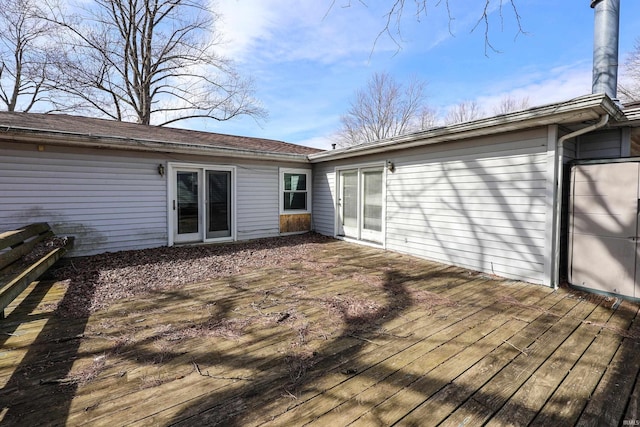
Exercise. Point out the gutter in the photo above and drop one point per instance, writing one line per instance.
(604, 119)
(75, 139)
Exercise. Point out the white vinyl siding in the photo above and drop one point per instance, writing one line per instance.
(109, 203)
(113, 202)
(324, 196)
(478, 204)
(258, 196)
(602, 145)
(487, 214)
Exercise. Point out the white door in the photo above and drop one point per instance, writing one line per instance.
(360, 204)
(201, 204)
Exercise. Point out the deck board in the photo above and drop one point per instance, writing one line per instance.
(377, 338)
(535, 394)
(620, 372)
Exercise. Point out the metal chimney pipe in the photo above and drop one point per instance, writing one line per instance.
(605, 47)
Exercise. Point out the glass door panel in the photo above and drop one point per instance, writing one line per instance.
(372, 205)
(218, 204)
(348, 204)
(187, 205)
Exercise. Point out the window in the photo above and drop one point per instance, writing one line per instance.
(295, 185)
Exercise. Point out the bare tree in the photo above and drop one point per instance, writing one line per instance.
(630, 91)
(392, 26)
(24, 55)
(465, 111)
(508, 104)
(427, 118)
(385, 108)
(150, 61)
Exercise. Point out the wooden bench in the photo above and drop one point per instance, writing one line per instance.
(25, 254)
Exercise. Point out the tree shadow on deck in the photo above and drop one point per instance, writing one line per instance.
(41, 387)
(289, 373)
(38, 391)
(248, 403)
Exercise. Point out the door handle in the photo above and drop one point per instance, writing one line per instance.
(174, 205)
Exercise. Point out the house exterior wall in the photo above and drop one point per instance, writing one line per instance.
(114, 201)
(480, 204)
(604, 144)
(108, 202)
(324, 198)
(257, 201)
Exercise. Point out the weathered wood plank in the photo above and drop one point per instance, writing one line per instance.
(575, 392)
(487, 400)
(295, 223)
(535, 393)
(18, 252)
(13, 288)
(620, 374)
(395, 369)
(325, 365)
(14, 237)
(416, 363)
(436, 408)
(244, 348)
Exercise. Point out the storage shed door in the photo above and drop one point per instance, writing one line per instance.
(603, 226)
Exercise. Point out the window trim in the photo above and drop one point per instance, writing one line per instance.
(281, 191)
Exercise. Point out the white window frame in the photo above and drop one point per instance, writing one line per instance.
(281, 191)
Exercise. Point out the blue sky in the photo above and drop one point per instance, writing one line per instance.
(307, 58)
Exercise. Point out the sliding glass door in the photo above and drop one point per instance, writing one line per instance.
(201, 204)
(360, 204)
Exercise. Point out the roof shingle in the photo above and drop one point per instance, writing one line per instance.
(94, 127)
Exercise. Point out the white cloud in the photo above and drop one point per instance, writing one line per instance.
(560, 85)
(290, 30)
(242, 22)
(540, 87)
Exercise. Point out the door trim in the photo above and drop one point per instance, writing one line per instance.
(171, 193)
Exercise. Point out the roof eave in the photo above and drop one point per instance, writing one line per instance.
(578, 110)
(71, 139)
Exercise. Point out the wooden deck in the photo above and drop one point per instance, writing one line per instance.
(355, 336)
